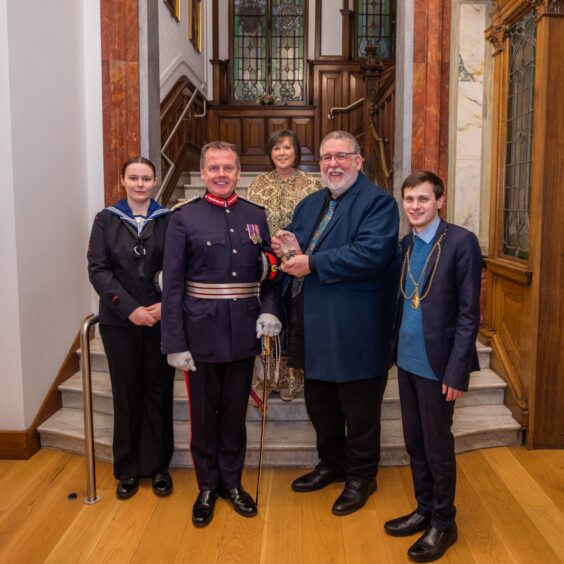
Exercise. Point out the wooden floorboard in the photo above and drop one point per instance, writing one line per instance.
(510, 504)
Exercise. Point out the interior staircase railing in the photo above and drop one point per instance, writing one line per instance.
(87, 326)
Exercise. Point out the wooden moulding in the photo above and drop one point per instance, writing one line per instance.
(21, 445)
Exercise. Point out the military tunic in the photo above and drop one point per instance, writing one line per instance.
(210, 241)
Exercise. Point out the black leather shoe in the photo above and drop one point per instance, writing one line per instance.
(242, 502)
(127, 488)
(202, 512)
(316, 480)
(433, 544)
(162, 483)
(407, 525)
(354, 496)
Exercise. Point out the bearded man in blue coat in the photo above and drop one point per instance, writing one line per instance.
(341, 295)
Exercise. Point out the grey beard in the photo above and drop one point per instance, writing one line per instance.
(337, 191)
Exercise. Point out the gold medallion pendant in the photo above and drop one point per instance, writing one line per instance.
(415, 301)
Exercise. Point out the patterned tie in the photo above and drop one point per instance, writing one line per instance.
(297, 283)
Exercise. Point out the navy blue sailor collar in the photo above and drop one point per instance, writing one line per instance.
(123, 211)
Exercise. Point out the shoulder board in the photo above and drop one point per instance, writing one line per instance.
(183, 203)
(249, 202)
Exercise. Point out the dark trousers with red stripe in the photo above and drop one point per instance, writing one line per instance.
(218, 394)
(142, 390)
(427, 422)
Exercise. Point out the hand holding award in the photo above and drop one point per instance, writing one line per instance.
(286, 245)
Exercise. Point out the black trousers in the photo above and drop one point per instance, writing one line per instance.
(427, 422)
(142, 389)
(346, 418)
(218, 394)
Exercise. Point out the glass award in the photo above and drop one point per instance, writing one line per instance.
(288, 244)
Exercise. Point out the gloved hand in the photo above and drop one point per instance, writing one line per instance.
(268, 325)
(182, 360)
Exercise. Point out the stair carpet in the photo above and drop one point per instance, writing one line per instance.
(481, 420)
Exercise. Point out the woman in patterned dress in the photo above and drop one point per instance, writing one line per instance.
(279, 191)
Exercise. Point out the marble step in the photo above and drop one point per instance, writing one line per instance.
(289, 443)
(99, 363)
(486, 388)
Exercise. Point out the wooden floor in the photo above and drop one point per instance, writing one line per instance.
(510, 509)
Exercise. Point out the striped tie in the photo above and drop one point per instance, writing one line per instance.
(297, 283)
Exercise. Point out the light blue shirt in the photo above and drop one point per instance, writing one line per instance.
(412, 354)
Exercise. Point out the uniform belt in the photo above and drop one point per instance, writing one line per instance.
(223, 291)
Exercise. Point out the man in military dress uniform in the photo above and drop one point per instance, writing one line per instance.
(214, 312)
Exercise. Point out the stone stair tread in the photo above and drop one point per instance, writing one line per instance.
(485, 378)
(474, 427)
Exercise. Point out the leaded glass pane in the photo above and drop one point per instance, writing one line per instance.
(268, 47)
(250, 70)
(375, 26)
(519, 140)
(287, 49)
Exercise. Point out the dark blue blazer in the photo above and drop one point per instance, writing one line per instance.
(451, 311)
(349, 301)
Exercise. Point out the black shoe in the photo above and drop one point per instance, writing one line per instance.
(316, 480)
(354, 496)
(162, 483)
(202, 512)
(433, 544)
(242, 502)
(407, 525)
(127, 488)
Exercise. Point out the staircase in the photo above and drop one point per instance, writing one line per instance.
(480, 421)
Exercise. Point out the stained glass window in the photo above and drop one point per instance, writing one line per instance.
(268, 49)
(516, 212)
(375, 25)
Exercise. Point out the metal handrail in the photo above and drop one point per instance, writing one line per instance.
(345, 108)
(387, 171)
(172, 166)
(89, 322)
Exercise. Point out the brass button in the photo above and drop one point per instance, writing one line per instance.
(227, 210)
(233, 274)
(208, 243)
(232, 230)
(234, 251)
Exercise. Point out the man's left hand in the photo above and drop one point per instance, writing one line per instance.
(451, 393)
(268, 325)
(297, 266)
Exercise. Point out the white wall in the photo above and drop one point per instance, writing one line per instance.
(177, 55)
(331, 28)
(11, 392)
(54, 103)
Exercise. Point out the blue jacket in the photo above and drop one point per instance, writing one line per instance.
(451, 311)
(349, 301)
(210, 244)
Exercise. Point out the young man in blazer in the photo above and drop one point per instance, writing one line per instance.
(438, 321)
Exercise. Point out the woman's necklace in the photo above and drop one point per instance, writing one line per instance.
(415, 298)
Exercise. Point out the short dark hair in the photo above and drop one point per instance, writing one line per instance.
(221, 146)
(137, 159)
(282, 134)
(422, 176)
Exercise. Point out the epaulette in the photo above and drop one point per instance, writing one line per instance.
(182, 203)
(252, 203)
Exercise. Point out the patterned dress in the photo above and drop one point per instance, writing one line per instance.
(280, 197)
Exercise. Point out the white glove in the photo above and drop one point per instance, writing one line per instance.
(268, 325)
(182, 360)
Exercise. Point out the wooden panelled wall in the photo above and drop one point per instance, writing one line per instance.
(525, 311)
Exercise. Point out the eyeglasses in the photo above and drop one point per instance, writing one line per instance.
(339, 157)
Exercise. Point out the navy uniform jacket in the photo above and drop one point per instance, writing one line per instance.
(451, 311)
(349, 301)
(208, 243)
(123, 279)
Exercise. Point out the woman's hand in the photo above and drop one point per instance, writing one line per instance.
(155, 311)
(142, 316)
